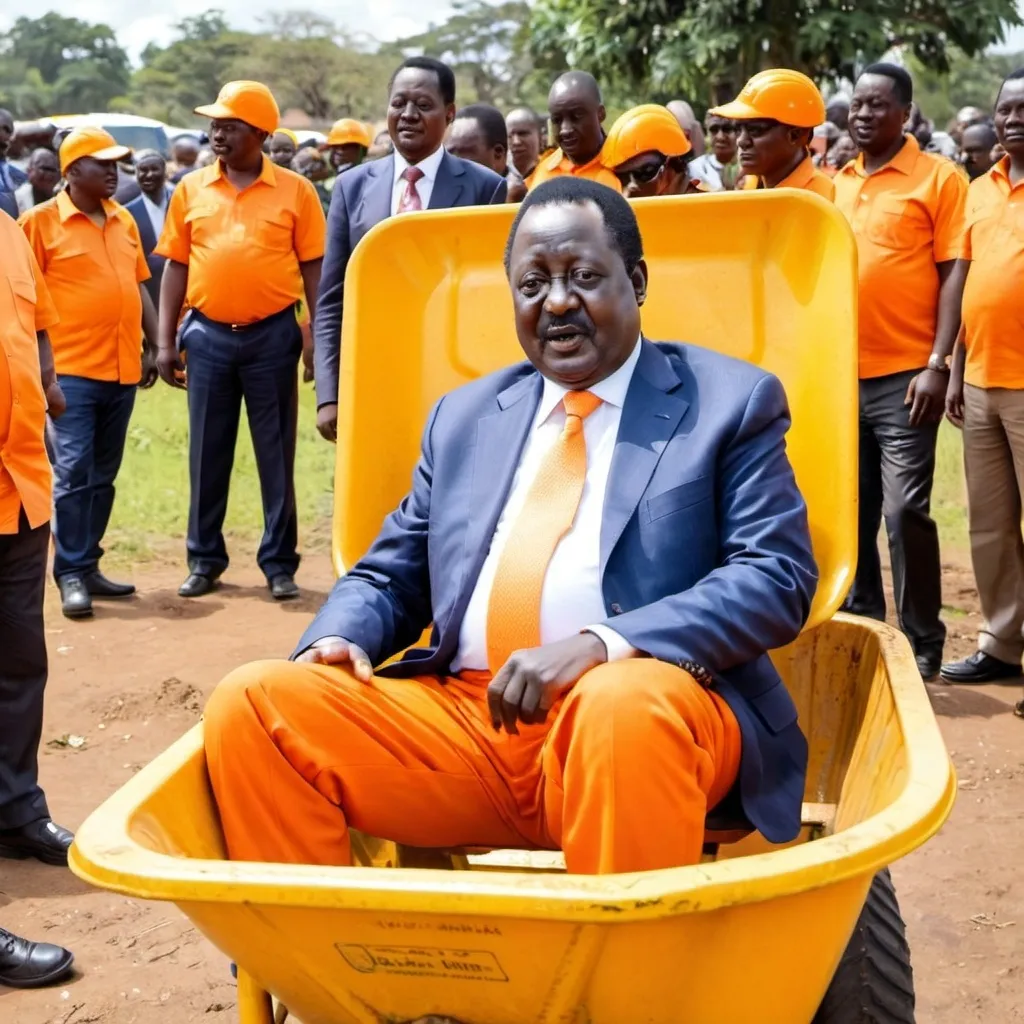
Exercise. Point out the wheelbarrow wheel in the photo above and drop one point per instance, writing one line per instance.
(874, 983)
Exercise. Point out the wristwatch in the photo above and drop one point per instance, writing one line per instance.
(938, 363)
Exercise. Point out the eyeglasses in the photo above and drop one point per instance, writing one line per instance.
(721, 128)
(642, 175)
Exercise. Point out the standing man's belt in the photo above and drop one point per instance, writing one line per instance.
(242, 328)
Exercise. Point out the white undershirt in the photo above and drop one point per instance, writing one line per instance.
(156, 213)
(424, 187)
(571, 599)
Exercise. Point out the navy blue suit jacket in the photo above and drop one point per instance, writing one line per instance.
(361, 199)
(137, 208)
(705, 549)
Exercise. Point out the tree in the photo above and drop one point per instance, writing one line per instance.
(707, 48)
(487, 44)
(971, 82)
(57, 64)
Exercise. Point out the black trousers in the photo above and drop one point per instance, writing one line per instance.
(22, 672)
(260, 364)
(897, 469)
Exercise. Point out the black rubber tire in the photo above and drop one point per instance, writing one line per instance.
(874, 983)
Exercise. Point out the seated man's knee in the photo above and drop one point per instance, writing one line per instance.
(230, 701)
(631, 684)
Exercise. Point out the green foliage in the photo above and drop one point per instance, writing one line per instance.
(706, 49)
(971, 82)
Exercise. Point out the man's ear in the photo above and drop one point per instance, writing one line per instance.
(639, 279)
(601, 113)
(449, 114)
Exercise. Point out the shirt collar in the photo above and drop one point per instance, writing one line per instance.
(801, 177)
(428, 165)
(612, 390)
(164, 197)
(903, 161)
(558, 161)
(215, 172)
(66, 209)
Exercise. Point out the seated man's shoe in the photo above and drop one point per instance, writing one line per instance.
(25, 964)
(41, 839)
(980, 668)
(99, 586)
(75, 601)
(928, 665)
(283, 587)
(197, 585)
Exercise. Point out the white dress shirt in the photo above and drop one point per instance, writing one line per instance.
(571, 600)
(424, 187)
(157, 213)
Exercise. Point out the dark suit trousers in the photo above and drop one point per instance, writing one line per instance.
(897, 469)
(22, 672)
(259, 364)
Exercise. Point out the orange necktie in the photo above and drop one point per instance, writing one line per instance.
(513, 612)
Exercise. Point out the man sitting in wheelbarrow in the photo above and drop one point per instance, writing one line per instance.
(608, 539)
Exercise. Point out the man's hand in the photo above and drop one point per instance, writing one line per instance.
(307, 363)
(926, 397)
(170, 366)
(336, 650)
(327, 421)
(528, 684)
(955, 398)
(150, 372)
(56, 403)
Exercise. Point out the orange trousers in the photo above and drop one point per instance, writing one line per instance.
(620, 777)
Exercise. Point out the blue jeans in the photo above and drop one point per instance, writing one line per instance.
(89, 445)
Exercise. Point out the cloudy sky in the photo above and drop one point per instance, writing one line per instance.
(138, 23)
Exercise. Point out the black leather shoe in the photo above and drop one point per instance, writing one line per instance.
(75, 601)
(283, 587)
(928, 665)
(99, 586)
(25, 964)
(981, 668)
(196, 585)
(41, 839)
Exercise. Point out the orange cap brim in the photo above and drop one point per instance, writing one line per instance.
(738, 111)
(103, 155)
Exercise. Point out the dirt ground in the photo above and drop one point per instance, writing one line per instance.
(134, 678)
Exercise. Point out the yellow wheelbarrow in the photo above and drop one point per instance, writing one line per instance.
(753, 935)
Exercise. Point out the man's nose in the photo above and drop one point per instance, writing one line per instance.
(560, 296)
(411, 112)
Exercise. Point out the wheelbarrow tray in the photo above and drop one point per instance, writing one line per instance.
(754, 936)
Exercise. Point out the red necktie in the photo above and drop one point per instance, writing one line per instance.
(410, 198)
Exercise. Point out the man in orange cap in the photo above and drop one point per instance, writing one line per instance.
(244, 240)
(348, 142)
(577, 114)
(777, 112)
(650, 153)
(93, 262)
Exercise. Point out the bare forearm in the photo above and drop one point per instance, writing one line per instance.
(952, 276)
(172, 298)
(311, 285)
(150, 325)
(47, 372)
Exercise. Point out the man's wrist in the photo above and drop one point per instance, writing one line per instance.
(617, 647)
(939, 363)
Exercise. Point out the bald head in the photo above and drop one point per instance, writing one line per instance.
(577, 113)
(683, 113)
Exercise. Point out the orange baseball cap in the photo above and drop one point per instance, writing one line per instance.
(649, 128)
(778, 94)
(90, 140)
(349, 130)
(251, 102)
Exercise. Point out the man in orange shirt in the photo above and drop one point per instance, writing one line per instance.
(650, 153)
(986, 397)
(906, 210)
(244, 242)
(89, 250)
(28, 387)
(577, 114)
(776, 113)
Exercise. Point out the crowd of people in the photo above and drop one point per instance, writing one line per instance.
(222, 271)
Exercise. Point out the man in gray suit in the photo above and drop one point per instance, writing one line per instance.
(419, 175)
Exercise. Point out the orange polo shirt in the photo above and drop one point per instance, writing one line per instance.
(93, 275)
(806, 176)
(993, 307)
(25, 307)
(243, 247)
(557, 164)
(907, 217)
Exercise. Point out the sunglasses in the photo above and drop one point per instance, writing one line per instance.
(721, 128)
(642, 175)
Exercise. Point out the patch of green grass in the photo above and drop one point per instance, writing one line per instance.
(949, 497)
(151, 506)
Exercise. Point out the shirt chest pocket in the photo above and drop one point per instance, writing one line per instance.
(201, 221)
(275, 231)
(898, 224)
(23, 296)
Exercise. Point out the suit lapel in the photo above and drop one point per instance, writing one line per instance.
(448, 184)
(376, 204)
(500, 438)
(650, 416)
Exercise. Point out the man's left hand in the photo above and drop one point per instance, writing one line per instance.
(150, 373)
(527, 686)
(307, 363)
(56, 403)
(926, 397)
